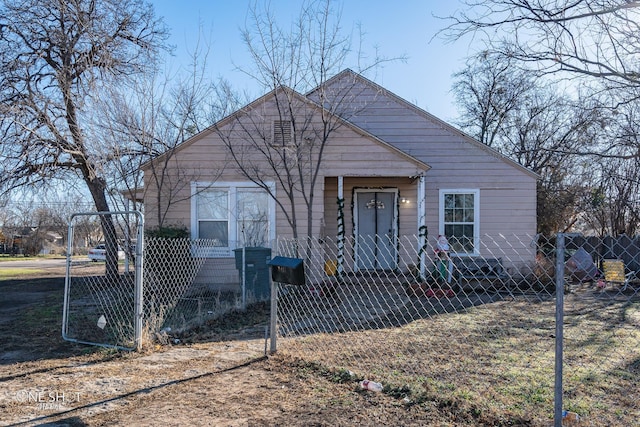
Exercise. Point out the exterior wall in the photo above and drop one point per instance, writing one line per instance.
(507, 191)
(407, 222)
(200, 162)
(405, 140)
(352, 154)
(219, 274)
(205, 158)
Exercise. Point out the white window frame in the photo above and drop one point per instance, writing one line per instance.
(476, 217)
(232, 188)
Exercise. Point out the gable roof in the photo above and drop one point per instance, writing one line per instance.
(348, 73)
(305, 99)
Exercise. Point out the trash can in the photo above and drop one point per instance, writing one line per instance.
(256, 270)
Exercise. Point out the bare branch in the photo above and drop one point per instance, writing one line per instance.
(53, 57)
(579, 37)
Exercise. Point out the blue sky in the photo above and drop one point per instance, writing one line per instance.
(401, 27)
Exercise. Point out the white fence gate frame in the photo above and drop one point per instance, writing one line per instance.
(102, 311)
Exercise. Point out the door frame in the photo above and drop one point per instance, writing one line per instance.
(394, 223)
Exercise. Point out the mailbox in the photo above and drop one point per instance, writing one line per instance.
(287, 270)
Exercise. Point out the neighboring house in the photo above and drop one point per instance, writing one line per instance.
(398, 169)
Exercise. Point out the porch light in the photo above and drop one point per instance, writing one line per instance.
(404, 201)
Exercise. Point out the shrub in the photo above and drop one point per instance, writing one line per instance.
(169, 232)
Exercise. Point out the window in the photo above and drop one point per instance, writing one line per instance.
(459, 219)
(231, 215)
(213, 216)
(253, 216)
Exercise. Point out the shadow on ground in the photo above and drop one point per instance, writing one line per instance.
(31, 321)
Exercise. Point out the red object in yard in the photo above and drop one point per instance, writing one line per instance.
(371, 385)
(424, 290)
(440, 293)
(323, 289)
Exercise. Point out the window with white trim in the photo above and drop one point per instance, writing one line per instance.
(459, 219)
(231, 215)
(252, 207)
(212, 215)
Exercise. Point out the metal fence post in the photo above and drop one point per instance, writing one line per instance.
(273, 332)
(67, 278)
(244, 276)
(139, 281)
(557, 414)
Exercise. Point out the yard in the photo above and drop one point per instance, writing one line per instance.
(217, 374)
(222, 379)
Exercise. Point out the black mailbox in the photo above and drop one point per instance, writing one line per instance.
(287, 270)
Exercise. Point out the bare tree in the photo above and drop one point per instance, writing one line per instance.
(599, 39)
(613, 205)
(53, 57)
(592, 47)
(287, 147)
(489, 90)
(39, 223)
(147, 118)
(535, 125)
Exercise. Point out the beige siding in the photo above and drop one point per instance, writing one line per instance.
(507, 191)
(348, 153)
(393, 143)
(351, 154)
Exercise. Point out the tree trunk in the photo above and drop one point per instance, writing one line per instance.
(97, 185)
(97, 188)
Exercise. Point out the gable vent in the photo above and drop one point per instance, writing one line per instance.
(281, 133)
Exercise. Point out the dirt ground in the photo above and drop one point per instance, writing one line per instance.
(221, 380)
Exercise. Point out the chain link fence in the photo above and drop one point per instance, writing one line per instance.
(103, 288)
(189, 282)
(153, 289)
(476, 331)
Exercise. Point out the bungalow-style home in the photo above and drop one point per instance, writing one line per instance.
(349, 160)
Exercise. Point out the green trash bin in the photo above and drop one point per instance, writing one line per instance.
(256, 270)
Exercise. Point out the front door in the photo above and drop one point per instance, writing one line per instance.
(376, 233)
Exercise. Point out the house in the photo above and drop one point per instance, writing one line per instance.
(386, 169)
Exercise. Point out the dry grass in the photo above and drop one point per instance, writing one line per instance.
(491, 365)
(496, 362)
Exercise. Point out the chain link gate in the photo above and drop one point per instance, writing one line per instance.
(103, 281)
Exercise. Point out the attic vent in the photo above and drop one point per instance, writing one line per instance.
(281, 133)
